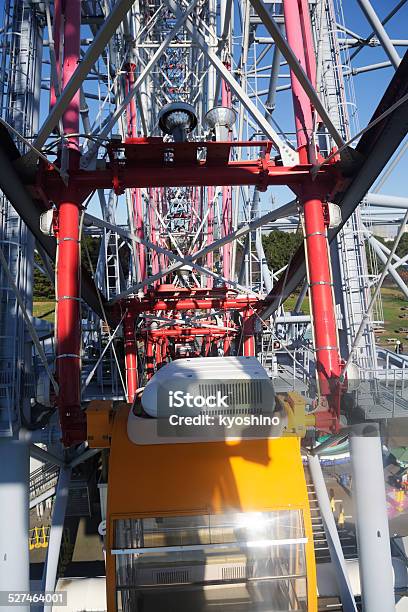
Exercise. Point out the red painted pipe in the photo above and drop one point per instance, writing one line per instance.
(136, 194)
(248, 344)
(210, 233)
(68, 336)
(68, 333)
(131, 109)
(207, 345)
(149, 357)
(159, 353)
(298, 31)
(165, 350)
(57, 46)
(190, 304)
(295, 24)
(72, 43)
(226, 229)
(321, 295)
(130, 356)
(181, 332)
(228, 338)
(154, 234)
(226, 196)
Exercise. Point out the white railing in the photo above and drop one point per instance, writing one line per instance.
(384, 392)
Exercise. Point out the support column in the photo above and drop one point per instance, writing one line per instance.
(248, 343)
(136, 193)
(297, 24)
(72, 46)
(130, 357)
(165, 350)
(68, 332)
(154, 237)
(332, 536)
(373, 538)
(207, 345)
(226, 194)
(228, 338)
(298, 32)
(57, 47)
(57, 529)
(379, 29)
(14, 521)
(321, 294)
(210, 233)
(149, 357)
(159, 353)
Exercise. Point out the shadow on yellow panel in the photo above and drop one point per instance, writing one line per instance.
(208, 526)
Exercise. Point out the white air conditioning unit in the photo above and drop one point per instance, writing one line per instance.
(243, 379)
(207, 399)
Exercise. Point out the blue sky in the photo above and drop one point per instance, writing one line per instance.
(369, 87)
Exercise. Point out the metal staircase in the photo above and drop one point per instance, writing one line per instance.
(112, 264)
(322, 554)
(347, 539)
(355, 289)
(43, 482)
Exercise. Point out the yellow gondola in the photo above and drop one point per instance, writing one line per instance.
(205, 526)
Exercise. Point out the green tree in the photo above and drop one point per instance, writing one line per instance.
(402, 248)
(280, 246)
(43, 290)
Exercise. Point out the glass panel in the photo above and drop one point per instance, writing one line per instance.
(252, 596)
(208, 529)
(243, 561)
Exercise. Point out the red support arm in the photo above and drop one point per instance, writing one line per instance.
(210, 233)
(57, 45)
(149, 356)
(136, 194)
(130, 357)
(248, 343)
(226, 195)
(68, 332)
(298, 31)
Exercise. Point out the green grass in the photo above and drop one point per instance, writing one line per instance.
(392, 301)
(44, 310)
(291, 301)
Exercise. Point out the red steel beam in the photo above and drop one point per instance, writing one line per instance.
(149, 344)
(226, 217)
(248, 341)
(328, 362)
(126, 175)
(130, 357)
(321, 294)
(297, 24)
(182, 332)
(68, 328)
(57, 44)
(136, 194)
(138, 306)
(210, 233)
